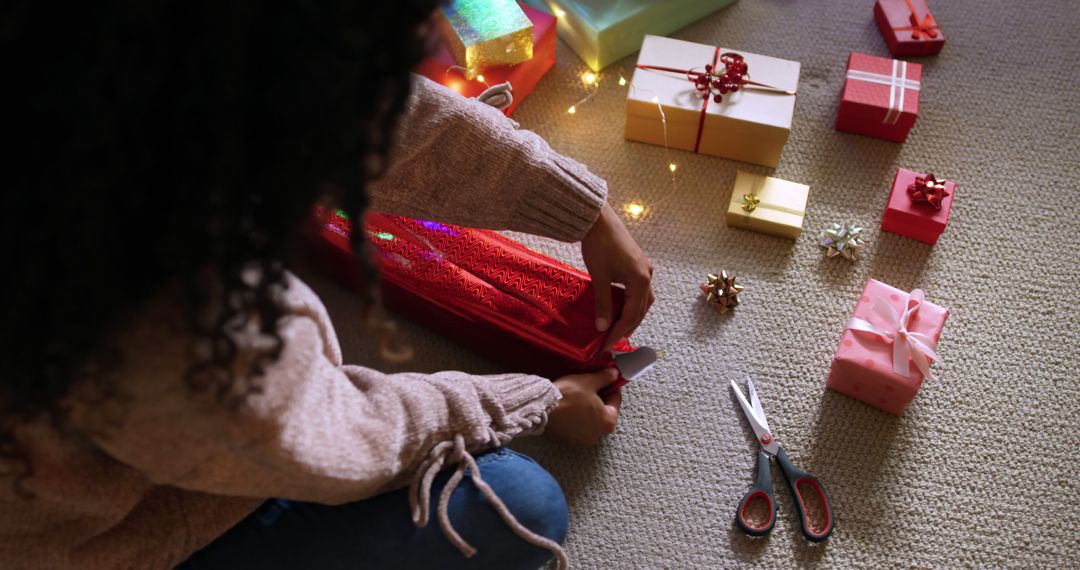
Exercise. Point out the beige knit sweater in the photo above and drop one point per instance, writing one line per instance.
(145, 479)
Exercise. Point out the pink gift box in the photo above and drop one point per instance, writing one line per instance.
(916, 220)
(880, 97)
(908, 27)
(865, 365)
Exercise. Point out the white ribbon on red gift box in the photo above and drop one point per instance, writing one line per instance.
(907, 345)
(898, 83)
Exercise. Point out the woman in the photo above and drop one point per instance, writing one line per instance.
(171, 394)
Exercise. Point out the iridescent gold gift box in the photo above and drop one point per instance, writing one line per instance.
(486, 33)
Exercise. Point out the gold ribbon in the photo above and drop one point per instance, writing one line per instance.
(752, 201)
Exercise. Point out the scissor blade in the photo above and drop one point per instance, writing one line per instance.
(755, 402)
(760, 427)
(636, 363)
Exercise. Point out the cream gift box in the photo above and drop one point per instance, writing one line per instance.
(767, 205)
(751, 125)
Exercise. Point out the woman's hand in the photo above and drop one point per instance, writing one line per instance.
(612, 256)
(582, 417)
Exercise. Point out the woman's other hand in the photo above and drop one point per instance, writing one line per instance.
(612, 256)
(582, 417)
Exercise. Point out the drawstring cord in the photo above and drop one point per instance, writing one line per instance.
(454, 452)
(499, 96)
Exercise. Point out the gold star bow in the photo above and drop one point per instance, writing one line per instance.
(722, 292)
(750, 202)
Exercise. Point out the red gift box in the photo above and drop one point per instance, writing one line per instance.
(533, 313)
(914, 218)
(880, 97)
(441, 67)
(909, 28)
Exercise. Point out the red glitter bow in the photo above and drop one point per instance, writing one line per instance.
(929, 189)
(927, 28)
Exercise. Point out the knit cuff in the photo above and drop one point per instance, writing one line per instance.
(565, 203)
(526, 401)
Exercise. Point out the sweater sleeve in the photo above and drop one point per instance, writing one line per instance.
(460, 161)
(316, 430)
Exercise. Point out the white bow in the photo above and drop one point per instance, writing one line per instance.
(907, 345)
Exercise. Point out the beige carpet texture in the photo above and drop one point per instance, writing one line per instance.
(983, 469)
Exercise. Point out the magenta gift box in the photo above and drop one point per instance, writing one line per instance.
(916, 220)
(863, 366)
(908, 27)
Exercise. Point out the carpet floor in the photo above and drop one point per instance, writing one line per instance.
(982, 469)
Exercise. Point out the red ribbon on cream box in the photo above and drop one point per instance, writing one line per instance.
(681, 96)
(880, 97)
(531, 312)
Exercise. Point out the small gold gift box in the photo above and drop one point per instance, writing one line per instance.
(767, 205)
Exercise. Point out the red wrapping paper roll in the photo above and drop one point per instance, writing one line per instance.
(485, 291)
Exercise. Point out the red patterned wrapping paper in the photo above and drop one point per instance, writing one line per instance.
(485, 291)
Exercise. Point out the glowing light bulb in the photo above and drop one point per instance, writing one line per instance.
(572, 109)
(454, 85)
(635, 210)
(671, 167)
(559, 13)
(622, 81)
(588, 77)
(481, 79)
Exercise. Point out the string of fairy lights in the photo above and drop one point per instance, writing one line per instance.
(634, 209)
(465, 72)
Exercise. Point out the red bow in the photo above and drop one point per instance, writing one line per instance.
(929, 189)
(927, 27)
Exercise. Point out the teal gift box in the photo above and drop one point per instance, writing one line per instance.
(605, 31)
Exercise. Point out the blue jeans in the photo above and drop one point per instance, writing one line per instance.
(379, 532)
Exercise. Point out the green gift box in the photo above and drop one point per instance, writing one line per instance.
(605, 31)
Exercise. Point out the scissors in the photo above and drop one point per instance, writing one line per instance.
(803, 485)
(631, 366)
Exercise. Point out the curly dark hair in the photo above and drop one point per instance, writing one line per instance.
(155, 143)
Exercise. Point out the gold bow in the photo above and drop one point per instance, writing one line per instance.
(750, 202)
